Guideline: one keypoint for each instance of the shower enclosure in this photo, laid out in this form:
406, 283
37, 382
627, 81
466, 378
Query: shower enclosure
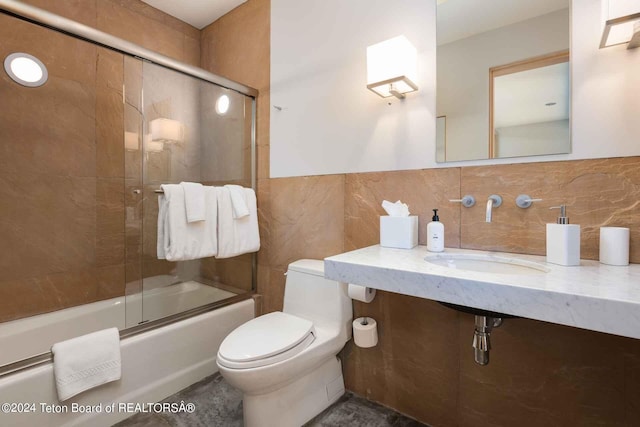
184, 134
82, 158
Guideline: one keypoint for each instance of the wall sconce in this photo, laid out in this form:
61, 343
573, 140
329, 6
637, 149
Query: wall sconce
621, 23
392, 67
151, 146
166, 130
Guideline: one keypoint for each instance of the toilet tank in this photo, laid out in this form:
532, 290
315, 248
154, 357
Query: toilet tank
309, 295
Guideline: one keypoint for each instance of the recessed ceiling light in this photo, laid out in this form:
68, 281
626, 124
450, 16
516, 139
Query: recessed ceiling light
222, 104
25, 69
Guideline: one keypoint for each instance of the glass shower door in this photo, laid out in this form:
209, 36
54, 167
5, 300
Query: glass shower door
193, 131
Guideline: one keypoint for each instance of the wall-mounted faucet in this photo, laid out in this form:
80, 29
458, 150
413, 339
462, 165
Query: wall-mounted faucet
493, 202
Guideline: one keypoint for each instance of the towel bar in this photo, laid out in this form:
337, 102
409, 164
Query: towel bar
137, 191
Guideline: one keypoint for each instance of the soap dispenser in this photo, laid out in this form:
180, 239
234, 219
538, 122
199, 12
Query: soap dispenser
563, 240
435, 234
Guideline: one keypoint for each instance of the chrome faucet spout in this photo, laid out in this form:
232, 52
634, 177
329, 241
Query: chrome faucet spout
493, 202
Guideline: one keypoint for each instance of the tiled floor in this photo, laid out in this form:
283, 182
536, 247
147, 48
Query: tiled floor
219, 404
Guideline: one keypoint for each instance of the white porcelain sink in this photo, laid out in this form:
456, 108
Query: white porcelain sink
486, 263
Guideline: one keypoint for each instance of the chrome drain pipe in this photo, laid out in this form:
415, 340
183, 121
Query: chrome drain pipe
482, 337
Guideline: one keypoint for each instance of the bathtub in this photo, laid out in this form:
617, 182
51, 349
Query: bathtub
23, 338
162, 301
155, 364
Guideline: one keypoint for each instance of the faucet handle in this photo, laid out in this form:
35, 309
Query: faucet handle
524, 201
467, 201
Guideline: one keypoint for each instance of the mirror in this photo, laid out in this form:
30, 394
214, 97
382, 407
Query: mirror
503, 79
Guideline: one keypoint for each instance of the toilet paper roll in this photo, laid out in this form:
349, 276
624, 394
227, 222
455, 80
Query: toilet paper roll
361, 293
614, 245
365, 332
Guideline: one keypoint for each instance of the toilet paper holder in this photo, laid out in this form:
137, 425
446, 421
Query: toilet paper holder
365, 332
361, 293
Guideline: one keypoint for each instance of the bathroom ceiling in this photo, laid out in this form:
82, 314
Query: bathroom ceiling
458, 19
198, 13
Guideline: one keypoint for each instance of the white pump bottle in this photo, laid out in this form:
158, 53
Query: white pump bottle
435, 234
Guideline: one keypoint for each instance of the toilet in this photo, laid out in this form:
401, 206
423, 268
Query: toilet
286, 363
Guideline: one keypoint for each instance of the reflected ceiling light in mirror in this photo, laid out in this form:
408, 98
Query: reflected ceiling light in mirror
222, 105
25, 69
621, 23
166, 130
392, 67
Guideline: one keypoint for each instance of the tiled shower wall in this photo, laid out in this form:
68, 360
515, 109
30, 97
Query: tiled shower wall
63, 209
540, 373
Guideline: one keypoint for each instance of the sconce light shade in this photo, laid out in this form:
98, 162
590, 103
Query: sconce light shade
131, 141
392, 67
621, 23
151, 146
166, 130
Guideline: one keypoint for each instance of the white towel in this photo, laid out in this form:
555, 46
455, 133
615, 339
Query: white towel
194, 202
85, 362
238, 203
241, 235
179, 240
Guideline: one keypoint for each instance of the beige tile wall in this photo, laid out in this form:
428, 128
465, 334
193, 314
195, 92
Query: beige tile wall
597, 193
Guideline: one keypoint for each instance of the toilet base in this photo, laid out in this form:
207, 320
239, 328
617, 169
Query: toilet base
296, 403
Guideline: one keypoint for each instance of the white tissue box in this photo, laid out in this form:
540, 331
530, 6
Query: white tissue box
399, 231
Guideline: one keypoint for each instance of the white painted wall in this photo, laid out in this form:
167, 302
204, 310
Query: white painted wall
330, 122
606, 84
533, 139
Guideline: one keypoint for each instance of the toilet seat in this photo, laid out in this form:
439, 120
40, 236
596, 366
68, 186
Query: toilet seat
266, 340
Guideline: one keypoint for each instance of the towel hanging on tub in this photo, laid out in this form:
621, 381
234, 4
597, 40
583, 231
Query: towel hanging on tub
237, 235
195, 204
85, 362
179, 240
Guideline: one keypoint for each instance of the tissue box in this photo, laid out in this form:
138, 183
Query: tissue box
399, 231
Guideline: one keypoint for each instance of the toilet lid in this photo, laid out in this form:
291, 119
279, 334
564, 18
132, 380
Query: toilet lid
265, 337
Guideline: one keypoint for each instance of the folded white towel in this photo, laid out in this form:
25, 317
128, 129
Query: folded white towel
85, 362
241, 235
238, 203
194, 202
179, 240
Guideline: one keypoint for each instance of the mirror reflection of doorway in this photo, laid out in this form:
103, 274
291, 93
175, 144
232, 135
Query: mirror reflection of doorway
529, 107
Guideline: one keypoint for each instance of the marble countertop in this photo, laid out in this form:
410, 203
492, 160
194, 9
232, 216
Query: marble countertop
591, 296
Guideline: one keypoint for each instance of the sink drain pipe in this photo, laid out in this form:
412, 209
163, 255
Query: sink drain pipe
482, 337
